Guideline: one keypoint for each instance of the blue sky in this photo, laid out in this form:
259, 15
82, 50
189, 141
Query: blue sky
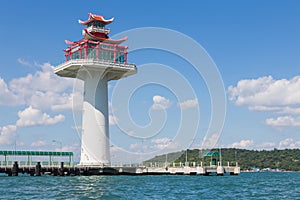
254, 44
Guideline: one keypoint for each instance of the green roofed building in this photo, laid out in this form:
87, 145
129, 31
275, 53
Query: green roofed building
211, 154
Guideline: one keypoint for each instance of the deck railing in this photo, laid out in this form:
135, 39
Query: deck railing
97, 51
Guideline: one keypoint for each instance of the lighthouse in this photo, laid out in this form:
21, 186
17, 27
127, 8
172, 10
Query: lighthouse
95, 59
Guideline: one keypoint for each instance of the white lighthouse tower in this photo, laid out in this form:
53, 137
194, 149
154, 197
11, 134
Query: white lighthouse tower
95, 59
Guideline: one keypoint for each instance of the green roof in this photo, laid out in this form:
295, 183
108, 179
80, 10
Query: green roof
36, 153
211, 153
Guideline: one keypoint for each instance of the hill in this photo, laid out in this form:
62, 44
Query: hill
286, 159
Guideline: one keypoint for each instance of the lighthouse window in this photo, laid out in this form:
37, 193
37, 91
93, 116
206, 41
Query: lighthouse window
82, 53
75, 55
120, 57
91, 53
98, 24
111, 56
100, 55
106, 55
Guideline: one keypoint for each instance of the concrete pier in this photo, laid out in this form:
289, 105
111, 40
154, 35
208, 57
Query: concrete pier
62, 170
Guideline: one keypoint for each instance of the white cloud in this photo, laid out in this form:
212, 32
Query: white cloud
188, 103
290, 110
283, 121
289, 143
267, 94
73, 148
7, 97
32, 117
161, 143
160, 103
56, 101
44, 81
43, 90
155, 144
113, 120
277, 109
243, 144
267, 145
26, 63
39, 143
266, 91
161, 140
7, 134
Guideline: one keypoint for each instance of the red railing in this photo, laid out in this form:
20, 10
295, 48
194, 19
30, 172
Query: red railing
97, 51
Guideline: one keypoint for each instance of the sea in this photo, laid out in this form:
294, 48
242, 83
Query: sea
256, 185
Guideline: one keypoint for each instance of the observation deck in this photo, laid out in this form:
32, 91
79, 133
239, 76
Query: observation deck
95, 56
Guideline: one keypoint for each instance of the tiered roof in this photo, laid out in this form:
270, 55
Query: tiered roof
98, 34
99, 18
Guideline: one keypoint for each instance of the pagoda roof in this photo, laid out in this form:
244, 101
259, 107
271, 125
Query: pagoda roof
99, 18
93, 36
107, 41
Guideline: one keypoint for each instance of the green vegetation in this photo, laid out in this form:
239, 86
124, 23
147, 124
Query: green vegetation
287, 159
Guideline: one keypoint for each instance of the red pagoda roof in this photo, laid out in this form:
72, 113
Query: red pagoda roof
103, 38
96, 35
93, 17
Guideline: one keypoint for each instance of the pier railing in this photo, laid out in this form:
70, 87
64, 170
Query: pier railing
34, 163
25, 158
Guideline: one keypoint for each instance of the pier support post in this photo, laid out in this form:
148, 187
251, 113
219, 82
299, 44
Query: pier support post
61, 169
220, 171
237, 170
15, 169
38, 169
201, 170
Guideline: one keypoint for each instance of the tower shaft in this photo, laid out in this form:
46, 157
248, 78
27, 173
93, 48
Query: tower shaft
95, 125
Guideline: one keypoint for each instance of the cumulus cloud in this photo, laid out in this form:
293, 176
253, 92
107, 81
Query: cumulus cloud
188, 103
44, 80
243, 144
164, 143
266, 91
277, 109
39, 92
160, 103
39, 143
267, 145
7, 134
43, 90
289, 143
32, 117
155, 144
56, 101
283, 121
267, 94
7, 97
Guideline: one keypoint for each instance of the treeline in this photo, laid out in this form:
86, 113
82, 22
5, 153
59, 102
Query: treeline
286, 159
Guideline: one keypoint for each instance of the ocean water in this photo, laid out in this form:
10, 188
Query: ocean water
269, 185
